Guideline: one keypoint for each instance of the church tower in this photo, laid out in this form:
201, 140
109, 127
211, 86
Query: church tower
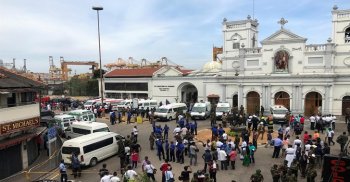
237, 34
341, 27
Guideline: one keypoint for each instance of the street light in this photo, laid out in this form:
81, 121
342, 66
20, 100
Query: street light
99, 8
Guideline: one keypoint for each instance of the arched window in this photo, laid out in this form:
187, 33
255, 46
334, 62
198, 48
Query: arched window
236, 41
347, 35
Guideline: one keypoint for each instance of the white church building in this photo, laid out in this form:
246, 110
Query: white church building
284, 70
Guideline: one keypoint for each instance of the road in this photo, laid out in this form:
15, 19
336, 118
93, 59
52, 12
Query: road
263, 160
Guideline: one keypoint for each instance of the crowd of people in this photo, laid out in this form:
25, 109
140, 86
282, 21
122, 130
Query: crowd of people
302, 155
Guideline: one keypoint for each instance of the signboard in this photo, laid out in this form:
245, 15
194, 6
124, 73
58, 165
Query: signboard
164, 88
336, 169
135, 103
19, 125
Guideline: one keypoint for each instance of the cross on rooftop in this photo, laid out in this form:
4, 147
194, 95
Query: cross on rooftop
282, 22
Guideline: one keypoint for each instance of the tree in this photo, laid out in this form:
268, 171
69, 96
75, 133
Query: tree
96, 73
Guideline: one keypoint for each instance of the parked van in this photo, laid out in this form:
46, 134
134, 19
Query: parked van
222, 107
278, 113
148, 103
83, 115
89, 103
201, 110
91, 148
127, 103
64, 121
78, 129
168, 112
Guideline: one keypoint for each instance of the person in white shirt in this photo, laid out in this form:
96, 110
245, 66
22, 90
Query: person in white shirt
244, 147
127, 153
115, 178
290, 155
307, 148
218, 145
297, 142
106, 178
222, 158
48, 107
312, 121
232, 143
149, 169
130, 174
183, 131
135, 131
169, 174
224, 136
177, 130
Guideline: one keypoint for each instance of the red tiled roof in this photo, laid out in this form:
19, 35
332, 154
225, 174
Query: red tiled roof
138, 72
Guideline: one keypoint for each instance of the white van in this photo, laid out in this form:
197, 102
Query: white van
91, 148
78, 129
278, 113
89, 103
64, 121
148, 104
222, 107
168, 112
127, 103
83, 115
201, 110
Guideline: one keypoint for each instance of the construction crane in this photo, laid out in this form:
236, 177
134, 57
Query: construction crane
120, 63
65, 70
131, 63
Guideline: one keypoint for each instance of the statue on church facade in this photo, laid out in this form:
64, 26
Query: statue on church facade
281, 60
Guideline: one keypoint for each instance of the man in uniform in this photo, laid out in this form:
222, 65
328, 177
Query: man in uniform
151, 140
294, 167
121, 153
342, 139
257, 177
283, 170
311, 173
291, 177
275, 173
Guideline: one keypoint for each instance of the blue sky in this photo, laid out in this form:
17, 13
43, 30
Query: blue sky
184, 31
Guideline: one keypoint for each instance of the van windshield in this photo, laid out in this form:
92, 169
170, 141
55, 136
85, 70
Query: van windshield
198, 109
88, 103
70, 150
162, 110
280, 111
101, 130
223, 109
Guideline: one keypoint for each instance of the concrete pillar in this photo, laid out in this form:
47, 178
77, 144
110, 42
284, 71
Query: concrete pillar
24, 155
223, 99
240, 95
204, 92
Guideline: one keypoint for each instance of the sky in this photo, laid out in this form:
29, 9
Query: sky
184, 31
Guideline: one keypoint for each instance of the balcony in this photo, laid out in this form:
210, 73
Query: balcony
22, 112
315, 48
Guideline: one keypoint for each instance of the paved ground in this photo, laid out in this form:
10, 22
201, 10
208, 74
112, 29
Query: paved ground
262, 157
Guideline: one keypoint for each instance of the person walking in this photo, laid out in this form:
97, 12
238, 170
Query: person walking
135, 131
160, 149
130, 175
193, 153
275, 173
330, 135
277, 143
342, 140
103, 170
115, 177
76, 168
222, 157
252, 150
185, 174
169, 175
134, 159
150, 170
207, 158
63, 171
164, 168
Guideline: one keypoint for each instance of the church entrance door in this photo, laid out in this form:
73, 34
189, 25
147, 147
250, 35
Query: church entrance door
282, 98
253, 103
345, 104
313, 103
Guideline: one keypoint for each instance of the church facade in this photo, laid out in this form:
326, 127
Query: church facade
285, 70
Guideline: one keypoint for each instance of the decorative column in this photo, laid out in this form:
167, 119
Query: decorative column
326, 104
224, 93
240, 95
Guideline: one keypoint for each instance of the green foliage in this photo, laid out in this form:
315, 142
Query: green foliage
96, 73
82, 87
143, 178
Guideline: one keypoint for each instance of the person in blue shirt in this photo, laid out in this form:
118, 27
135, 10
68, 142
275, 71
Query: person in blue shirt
112, 118
214, 132
63, 171
221, 130
182, 122
166, 131
160, 149
129, 117
277, 143
167, 149
180, 152
192, 128
172, 151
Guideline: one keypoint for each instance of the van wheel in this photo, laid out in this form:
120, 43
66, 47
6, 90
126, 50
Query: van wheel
93, 162
69, 138
170, 118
